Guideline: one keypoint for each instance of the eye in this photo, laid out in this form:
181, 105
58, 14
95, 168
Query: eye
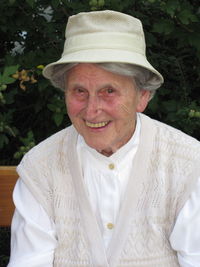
79, 93
110, 90
108, 93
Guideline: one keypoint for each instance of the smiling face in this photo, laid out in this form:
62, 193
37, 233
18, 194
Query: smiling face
102, 106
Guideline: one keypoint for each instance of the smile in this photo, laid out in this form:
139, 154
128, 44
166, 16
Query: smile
96, 125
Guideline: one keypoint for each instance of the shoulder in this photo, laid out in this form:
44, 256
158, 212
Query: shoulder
174, 160
178, 141
171, 148
48, 150
165, 133
52, 143
46, 163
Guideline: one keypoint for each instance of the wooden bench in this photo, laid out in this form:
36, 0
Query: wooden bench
8, 178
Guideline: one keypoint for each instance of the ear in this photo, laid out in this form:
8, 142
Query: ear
143, 99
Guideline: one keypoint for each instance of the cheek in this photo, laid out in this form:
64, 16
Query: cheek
74, 107
125, 108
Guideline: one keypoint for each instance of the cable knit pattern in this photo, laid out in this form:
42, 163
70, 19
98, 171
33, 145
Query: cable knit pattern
167, 168
46, 173
174, 165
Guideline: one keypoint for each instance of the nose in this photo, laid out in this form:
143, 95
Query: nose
93, 107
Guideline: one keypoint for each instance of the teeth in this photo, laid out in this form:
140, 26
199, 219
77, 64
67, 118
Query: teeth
96, 125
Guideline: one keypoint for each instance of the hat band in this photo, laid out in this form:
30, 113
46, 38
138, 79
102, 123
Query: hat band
108, 40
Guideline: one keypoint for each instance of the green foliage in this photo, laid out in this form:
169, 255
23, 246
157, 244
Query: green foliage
5, 78
31, 109
28, 142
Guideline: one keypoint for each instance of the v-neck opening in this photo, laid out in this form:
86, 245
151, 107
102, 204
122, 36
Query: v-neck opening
101, 256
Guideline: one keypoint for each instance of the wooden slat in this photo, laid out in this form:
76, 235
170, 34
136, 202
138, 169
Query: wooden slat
8, 178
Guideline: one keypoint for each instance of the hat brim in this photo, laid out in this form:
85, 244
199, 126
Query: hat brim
103, 56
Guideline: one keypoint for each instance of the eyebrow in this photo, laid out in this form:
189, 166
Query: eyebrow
76, 84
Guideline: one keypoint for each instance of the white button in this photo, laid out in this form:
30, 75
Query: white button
110, 226
111, 166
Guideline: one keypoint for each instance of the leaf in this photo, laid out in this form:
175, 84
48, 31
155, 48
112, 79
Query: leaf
3, 140
29, 138
185, 16
58, 118
164, 26
11, 69
5, 78
194, 18
194, 40
30, 2
51, 107
55, 3
11, 2
171, 7
43, 84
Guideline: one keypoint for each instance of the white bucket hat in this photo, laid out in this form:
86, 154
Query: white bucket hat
104, 36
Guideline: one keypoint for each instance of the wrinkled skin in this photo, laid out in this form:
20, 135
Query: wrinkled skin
102, 106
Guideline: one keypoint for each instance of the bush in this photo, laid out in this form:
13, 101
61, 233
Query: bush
31, 109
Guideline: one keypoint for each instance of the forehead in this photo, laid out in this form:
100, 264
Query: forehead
92, 73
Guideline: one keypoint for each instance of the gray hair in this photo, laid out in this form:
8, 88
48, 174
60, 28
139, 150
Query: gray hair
142, 77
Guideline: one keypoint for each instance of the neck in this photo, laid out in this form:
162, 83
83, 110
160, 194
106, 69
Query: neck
106, 153
112, 149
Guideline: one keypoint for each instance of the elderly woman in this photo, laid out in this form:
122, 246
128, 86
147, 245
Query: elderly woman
116, 188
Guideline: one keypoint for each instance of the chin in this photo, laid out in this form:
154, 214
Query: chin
95, 146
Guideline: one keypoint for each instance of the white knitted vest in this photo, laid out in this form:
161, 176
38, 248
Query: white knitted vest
165, 170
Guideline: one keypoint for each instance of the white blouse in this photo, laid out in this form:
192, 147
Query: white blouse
33, 233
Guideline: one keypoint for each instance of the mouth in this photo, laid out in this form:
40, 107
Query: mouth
96, 125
